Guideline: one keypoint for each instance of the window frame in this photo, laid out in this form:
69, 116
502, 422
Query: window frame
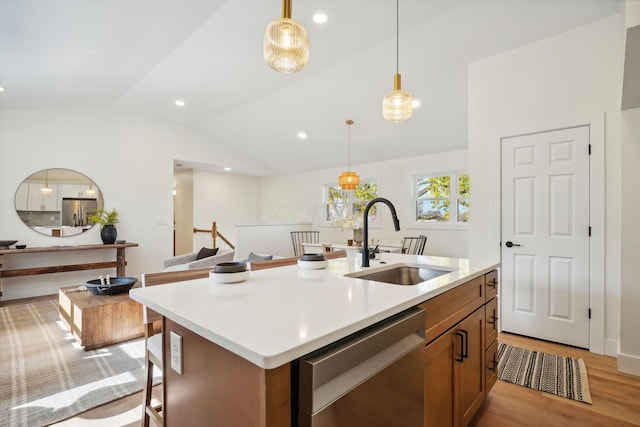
351, 201
454, 196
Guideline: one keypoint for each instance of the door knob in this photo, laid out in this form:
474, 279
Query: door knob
510, 244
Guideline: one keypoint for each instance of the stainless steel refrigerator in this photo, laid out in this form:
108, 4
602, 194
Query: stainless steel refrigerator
76, 210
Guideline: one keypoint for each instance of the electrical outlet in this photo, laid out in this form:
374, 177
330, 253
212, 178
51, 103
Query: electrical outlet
176, 352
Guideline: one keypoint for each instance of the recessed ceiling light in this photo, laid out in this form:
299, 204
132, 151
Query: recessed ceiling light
302, 135
227, 168
415, 103
179, 103
320, 18
2, 89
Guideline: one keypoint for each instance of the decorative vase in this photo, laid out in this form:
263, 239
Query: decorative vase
357, 236
108, 233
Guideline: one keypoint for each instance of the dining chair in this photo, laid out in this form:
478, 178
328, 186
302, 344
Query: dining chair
300, 237
153, 339
414, 245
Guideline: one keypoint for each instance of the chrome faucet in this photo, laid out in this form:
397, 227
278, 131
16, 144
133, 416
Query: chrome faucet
365, 226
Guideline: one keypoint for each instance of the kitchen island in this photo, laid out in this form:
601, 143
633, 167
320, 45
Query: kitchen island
238, 340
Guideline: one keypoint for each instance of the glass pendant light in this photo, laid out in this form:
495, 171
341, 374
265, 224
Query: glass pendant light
46, 190
397, 104
349, 180
90, 191
286, 43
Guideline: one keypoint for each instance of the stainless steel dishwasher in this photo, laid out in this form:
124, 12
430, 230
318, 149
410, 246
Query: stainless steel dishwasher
372, 378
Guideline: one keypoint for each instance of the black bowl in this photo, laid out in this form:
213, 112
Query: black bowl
312, 257
4, 244
21, 246
230, 267
118, 285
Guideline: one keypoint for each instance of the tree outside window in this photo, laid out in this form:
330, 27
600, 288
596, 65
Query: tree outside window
435, 196
342, 203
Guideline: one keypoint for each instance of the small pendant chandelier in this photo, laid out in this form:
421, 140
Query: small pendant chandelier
396, 105
46, 190
286, 43
348, 180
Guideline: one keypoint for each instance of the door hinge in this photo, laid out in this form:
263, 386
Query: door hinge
589, 149
589, 313
589, 231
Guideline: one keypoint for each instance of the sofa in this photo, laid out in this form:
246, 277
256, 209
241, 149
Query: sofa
189, 261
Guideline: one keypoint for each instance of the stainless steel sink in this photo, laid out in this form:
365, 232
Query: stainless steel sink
404, 274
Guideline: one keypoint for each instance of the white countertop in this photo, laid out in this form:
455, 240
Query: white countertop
281, 314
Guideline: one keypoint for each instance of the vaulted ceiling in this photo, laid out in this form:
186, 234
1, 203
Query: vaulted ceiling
141, 56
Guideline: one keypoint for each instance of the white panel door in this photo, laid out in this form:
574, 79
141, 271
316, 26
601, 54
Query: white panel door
545, 235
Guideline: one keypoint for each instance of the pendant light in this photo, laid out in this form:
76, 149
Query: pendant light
46, 190
90, 191
348, 180
286, 43
396, 105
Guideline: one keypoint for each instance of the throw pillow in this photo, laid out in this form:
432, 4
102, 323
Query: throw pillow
206, 253
254, 257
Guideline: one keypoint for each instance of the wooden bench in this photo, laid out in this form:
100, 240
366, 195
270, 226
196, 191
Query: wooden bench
100, 320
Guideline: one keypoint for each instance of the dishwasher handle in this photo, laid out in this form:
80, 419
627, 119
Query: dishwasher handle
329, 373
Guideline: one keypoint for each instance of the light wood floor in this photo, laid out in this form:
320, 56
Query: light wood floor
615, 396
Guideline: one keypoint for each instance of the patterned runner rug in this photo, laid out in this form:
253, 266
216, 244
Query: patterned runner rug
45, 376
563, 376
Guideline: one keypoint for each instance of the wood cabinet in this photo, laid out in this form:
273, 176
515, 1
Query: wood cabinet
460, 353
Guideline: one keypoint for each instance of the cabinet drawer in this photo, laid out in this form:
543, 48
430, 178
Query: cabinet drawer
491, 369
446, 310
491, 285
491, 322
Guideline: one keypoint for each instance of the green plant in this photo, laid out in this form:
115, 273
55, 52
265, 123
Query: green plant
104, 217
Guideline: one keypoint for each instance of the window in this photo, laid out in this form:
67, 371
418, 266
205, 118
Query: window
442, 198
340, 203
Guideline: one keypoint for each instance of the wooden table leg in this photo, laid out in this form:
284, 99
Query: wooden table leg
120, 259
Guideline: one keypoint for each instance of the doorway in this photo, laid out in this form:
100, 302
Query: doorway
545, 235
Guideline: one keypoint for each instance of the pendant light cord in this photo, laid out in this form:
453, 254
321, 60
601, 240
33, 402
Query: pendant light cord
397, 34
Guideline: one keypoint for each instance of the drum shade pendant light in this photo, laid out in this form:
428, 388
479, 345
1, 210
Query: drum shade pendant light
396, 105
46, 190
286, 43
349, 180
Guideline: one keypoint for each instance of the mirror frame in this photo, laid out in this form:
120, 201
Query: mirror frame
63, 208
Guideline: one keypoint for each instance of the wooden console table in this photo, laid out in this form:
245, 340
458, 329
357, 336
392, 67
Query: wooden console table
119, 264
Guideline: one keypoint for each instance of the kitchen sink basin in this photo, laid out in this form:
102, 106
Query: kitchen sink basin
404, 274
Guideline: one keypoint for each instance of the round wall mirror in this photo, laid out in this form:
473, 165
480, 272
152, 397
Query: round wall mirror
57, 202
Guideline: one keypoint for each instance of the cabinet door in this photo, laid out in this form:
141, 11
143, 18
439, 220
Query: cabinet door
491, 322
491, 371
22, 196
439, 382
472, 369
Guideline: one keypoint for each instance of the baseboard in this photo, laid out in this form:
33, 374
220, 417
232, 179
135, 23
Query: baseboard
611, 348
629, 364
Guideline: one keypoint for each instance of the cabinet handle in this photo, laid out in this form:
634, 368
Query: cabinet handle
493, 320
461, 347
492, 367
492, 283
465, 354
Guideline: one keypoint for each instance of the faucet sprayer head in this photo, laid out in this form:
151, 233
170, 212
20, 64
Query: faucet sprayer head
396, 222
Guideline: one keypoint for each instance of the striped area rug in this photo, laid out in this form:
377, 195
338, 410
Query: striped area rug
45, 376
562, 376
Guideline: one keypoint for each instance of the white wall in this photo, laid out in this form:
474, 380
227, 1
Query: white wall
225, 198
129, 157
572, 75
299, 197
629, 355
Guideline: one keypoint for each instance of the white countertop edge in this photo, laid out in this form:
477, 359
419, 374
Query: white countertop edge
271, 361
